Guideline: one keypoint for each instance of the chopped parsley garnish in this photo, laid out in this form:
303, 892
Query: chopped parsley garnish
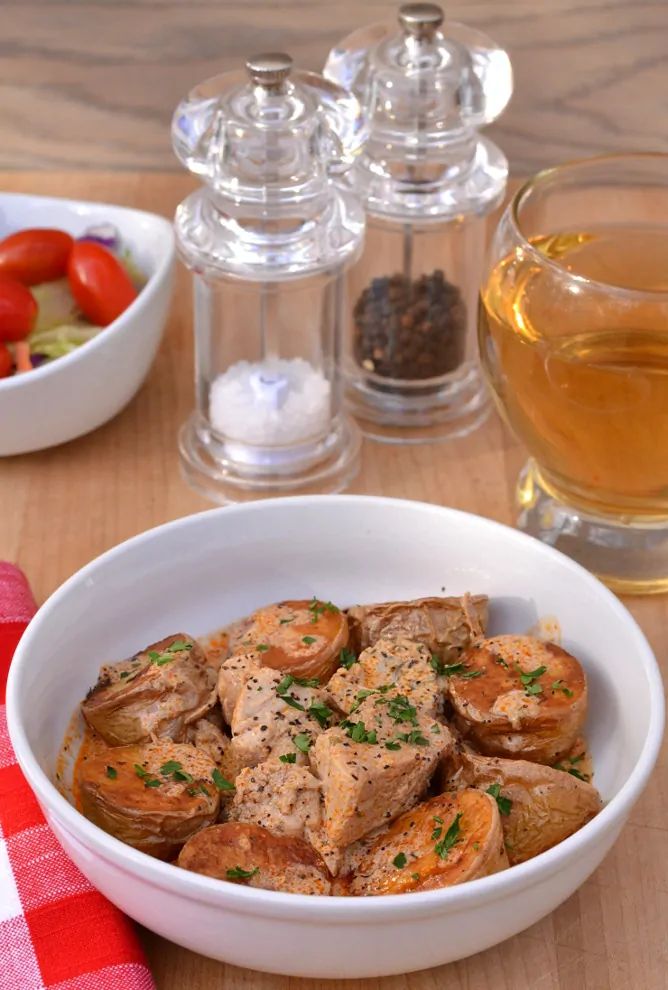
282, 691
415, 876
221, 783
436, 834
415, 738
435, 729
123, 674
359, 698
308, 640
182, 776
347, 658
284, 622
399, 708
139, 770
450, 839
112, 773
167, 655
500, 660
169, 767
471, 674
178, 645
197, 789
262, 647
438, 819
392, 745
288, 758
302, 742
574, 772
534, 689
237, 873
445, 669
316, 608
529, 676
504, 803
152, 783
357, 731
146, 777
560, 686
400, 860
321, 713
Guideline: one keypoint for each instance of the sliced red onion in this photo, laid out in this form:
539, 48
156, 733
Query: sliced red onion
103, 233
37, 359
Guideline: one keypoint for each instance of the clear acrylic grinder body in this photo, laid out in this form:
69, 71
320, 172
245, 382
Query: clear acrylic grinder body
428, 180
268, 239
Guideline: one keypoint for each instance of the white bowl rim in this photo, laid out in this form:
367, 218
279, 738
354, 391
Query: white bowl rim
143, 297
339, 910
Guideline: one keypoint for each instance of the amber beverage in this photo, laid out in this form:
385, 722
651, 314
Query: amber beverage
573, 329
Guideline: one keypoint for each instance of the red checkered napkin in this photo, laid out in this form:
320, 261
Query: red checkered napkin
56, 931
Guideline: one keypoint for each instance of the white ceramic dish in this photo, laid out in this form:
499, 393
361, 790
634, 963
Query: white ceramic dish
199, 572
77, 393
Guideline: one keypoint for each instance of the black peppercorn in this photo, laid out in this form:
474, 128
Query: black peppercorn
410, 329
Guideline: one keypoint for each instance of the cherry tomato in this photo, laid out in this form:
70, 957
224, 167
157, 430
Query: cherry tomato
18, 310
100, 285
6, 362
34, 256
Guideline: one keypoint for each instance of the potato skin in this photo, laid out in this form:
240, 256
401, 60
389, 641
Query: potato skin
302, 638
138, 698
155, 819
546, 805
502, 716
276, 862
478, 852
445, 625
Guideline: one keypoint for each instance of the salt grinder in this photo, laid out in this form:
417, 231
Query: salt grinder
268, 239
427, 179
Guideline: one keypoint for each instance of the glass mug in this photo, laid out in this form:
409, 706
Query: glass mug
573, 334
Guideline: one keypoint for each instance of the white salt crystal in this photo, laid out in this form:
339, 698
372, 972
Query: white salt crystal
271, 402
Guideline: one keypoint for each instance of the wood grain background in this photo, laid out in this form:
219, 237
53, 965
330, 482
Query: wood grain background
92, 83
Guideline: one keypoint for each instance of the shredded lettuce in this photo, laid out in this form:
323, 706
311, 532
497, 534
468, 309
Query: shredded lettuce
61, 340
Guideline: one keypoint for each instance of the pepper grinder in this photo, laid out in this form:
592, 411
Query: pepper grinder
427, 179
268, 239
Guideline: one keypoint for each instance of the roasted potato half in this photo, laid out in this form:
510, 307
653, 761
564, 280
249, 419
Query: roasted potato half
446, 626
519, 697
250, 854
152, 796
302, 638
445, 841
158, 692
539, 806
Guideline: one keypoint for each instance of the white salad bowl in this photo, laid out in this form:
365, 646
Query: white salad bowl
75, 394
198, 573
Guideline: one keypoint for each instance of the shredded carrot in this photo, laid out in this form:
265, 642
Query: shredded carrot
22, 356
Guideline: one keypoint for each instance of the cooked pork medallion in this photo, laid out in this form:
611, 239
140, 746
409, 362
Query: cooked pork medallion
446, 626
375, 764
252, 855
520, 697
153, 796
443, 842
277, 715
281, 797
409, 667
158, 692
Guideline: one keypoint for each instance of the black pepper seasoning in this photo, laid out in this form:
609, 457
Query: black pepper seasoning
410, 329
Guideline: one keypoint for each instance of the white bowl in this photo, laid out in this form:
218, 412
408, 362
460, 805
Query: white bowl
200, 572
77, 393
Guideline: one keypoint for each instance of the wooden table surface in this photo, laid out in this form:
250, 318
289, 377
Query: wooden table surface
64, 506
93, 83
